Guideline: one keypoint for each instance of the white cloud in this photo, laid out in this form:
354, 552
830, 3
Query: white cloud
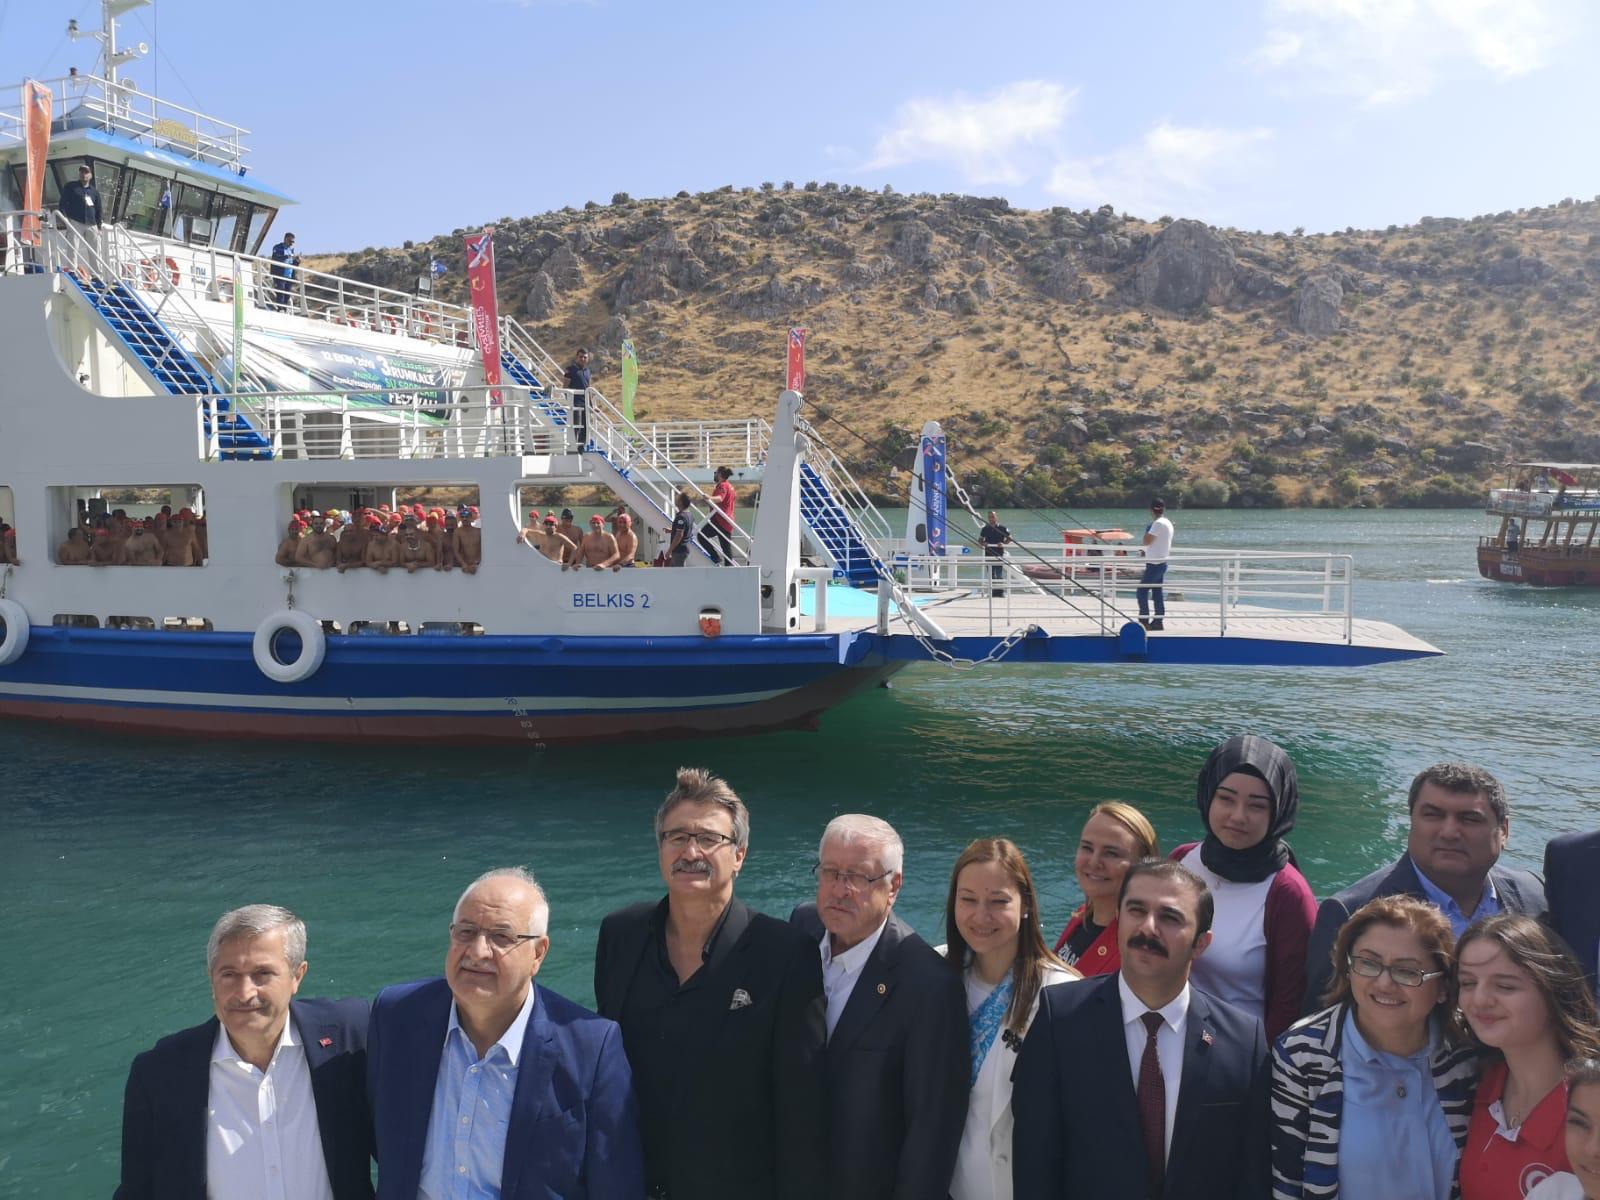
1385, 51
1171, 169
985, 139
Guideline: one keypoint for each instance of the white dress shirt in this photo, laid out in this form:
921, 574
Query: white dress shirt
840, 971
262, 1138
1169, 1043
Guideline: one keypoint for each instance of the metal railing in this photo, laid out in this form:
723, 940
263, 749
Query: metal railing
871, 526
1206, 590
93, 257
92, 102
454, 423
702, 445
612, 434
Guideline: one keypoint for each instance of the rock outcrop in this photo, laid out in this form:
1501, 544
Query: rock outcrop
1189, 264
1316, 305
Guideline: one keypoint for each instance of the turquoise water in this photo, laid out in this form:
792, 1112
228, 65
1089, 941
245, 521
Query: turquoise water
117, 854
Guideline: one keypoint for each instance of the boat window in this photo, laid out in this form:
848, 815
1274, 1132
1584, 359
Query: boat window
141, 202
451, 629
187, 624
169, 520
232, 218
141, 623
260, 223
75, 621
190, 206
107, 179
380, 628
52, 193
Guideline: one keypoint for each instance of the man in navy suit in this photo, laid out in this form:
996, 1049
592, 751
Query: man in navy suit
486, 1079
1572, 881
898, 1062
265, 1099
1460, 820
1135, 1086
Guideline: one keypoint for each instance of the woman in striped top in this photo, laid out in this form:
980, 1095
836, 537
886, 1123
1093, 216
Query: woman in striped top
1372, 1096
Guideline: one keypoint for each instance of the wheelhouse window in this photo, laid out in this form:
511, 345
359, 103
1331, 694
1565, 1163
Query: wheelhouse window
191, 205
260, 223
231, 217
141, 202
52, 192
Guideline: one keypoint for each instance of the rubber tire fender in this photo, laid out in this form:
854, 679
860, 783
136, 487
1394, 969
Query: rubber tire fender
313, 646
15, 644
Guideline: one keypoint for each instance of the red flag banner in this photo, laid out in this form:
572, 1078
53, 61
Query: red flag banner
797, 360
485, 311
36, 102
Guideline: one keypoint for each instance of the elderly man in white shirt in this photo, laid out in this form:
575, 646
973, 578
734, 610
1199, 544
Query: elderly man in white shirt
898, 1063
265, 1101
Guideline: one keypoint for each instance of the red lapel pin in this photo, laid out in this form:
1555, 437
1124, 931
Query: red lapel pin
326, 1042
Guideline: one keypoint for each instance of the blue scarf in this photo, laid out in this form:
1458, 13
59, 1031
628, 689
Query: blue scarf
983, 1026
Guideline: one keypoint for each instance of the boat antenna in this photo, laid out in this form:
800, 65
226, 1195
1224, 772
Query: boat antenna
112, 56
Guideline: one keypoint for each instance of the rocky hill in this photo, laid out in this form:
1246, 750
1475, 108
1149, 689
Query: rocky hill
1081, 357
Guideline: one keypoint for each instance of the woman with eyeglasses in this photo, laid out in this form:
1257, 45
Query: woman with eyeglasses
1371, 1097
1248, 796
1115, 836
992, 937
1582, 1137
1527, 1004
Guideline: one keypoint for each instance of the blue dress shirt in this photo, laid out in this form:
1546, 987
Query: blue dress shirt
1487, 907
466, 1146
1391, 1112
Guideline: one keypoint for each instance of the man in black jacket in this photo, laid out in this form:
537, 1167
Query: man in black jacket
1460, 820
1137, 1086
266, 1098
80, 201
722, 1017
1572, 879
899, 1064
577, 382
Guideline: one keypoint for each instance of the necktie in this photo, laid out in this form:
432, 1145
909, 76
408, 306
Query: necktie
1153, 1105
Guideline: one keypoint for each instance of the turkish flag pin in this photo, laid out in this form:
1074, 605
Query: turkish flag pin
326, 1042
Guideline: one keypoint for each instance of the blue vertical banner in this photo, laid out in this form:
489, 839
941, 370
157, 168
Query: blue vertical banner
933, 497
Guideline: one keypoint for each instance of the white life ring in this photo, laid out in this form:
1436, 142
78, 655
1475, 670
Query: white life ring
15, 642
313, 646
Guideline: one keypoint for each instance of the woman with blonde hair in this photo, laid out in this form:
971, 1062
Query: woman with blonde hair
992, 936
1528, 1005
1115, 836
1371, 1096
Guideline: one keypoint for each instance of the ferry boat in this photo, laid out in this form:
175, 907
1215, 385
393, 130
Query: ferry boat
161, 361
1547, 514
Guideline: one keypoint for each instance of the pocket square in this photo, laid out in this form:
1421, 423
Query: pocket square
741, 999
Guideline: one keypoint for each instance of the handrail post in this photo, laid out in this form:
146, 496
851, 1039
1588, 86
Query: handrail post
1222, 598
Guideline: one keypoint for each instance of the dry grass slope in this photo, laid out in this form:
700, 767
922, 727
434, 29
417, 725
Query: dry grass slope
1082, 357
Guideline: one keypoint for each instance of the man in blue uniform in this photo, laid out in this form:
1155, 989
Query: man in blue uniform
284, 260
577, 382
80, 201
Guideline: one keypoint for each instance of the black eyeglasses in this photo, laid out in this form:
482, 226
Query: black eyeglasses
501, 941
853, 880
1371, 968
708, 840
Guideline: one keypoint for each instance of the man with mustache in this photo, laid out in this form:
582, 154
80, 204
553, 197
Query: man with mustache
266, 1099
1136, 1085
722, 1015
899, 1066
1460, 820
485, 1083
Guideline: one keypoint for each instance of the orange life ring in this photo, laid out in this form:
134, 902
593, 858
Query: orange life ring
152, 271
393, 323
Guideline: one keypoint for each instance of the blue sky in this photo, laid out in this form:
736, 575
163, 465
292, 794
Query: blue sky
415, 117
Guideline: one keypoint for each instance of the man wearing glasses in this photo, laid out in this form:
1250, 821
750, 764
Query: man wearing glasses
722, 1016
484, 1083
899, 1066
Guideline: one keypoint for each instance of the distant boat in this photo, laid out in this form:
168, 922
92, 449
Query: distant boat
1548, 515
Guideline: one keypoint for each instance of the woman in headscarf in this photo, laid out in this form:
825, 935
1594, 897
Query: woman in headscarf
1248, 796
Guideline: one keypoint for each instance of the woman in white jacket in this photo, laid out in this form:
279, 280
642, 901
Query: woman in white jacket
993, 938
